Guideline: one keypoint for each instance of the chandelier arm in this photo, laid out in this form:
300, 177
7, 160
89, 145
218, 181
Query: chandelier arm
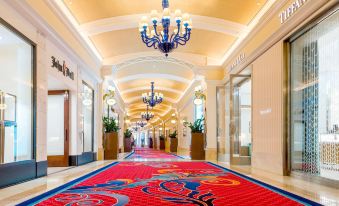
156, 30
174, 35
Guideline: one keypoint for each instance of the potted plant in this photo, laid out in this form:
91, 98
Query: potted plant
197, 139
173, 141
111, 143
162, 142
127, 140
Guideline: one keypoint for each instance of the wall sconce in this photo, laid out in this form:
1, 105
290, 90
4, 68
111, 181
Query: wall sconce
199, 96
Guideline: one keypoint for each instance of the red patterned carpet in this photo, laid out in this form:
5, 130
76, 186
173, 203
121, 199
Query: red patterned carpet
166, 183
147, 153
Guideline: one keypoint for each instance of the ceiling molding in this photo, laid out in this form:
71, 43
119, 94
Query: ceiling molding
182, 58
253, 25
136, 58
61, 10
147, 88
132, 22
133, 99
153, 76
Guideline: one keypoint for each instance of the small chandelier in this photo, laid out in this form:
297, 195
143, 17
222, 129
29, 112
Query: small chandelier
164, 40
152, 98
141, 124
147, 115
136, 127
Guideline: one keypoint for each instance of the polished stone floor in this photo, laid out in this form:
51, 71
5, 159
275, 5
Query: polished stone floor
18, 193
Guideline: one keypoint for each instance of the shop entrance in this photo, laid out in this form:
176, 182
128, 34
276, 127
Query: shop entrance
240, 119
58, 128
58, 121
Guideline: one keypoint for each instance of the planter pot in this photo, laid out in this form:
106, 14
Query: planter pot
127, 145
174, 144
197, 146
111, 146
167, 145
162, 144
150, 142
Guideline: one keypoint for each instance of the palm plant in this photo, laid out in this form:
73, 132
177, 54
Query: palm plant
110, 124
162, 137
173, 135
127, 133
197, 126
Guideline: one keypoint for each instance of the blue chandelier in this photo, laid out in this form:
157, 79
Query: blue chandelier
152, 98
147, 115
141, 124
136, 127
164, 40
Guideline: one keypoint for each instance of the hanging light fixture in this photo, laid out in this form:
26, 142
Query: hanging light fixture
165, 40
147, 115
141, 123
136, 127
152, 98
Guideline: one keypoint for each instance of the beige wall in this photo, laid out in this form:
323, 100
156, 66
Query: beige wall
267, 97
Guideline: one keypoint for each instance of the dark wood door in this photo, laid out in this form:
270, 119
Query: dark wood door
62, 160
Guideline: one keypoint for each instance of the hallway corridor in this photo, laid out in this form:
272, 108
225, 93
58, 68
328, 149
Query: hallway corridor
169, 102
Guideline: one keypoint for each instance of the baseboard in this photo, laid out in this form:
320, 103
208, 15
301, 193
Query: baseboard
16, 172
41, 168
84, 158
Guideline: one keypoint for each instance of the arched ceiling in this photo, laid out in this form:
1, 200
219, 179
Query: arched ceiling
111, 27
170, 78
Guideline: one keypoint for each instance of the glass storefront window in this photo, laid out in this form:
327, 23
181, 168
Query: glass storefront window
315, 100
87, 117
16, 97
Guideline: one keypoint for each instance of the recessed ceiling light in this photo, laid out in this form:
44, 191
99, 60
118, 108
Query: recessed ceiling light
0, 37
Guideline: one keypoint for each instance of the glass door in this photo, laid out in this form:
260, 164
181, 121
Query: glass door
87, 118
58, 128
240, 119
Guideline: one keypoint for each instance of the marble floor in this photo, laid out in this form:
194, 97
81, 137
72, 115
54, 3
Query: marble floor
18, 193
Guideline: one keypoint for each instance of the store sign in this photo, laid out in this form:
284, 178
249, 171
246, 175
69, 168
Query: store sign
239, 59
287, 13
62, 68
265, 111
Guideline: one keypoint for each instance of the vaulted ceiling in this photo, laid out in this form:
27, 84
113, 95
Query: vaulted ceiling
111, 26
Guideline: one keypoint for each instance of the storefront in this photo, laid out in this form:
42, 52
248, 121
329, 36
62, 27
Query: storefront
17, 106
314, 107
288, 66
46, 94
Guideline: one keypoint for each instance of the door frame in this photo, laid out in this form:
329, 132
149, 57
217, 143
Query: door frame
62, 160
235, 161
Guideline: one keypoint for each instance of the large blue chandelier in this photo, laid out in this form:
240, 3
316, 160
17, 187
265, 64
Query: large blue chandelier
164, 40
152, 98
147, 115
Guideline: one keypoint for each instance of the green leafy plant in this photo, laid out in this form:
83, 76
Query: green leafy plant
110, 124
173, 135
162, 137
127, 133
197, 126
